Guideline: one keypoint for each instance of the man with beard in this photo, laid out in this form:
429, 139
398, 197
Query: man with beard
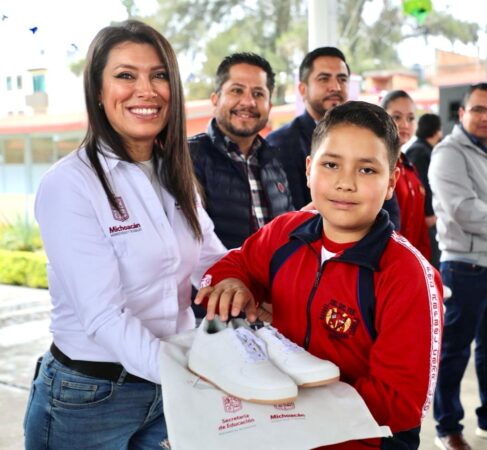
243, 182
323, 84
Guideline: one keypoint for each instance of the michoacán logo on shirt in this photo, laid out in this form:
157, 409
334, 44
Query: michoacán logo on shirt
121, 229
120, 213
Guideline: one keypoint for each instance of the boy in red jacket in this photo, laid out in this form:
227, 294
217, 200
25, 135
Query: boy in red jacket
314, 268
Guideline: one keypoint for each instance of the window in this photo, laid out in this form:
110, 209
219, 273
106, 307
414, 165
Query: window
67, 145
39, 83
9, 83
19, 81
13, 151
42, 151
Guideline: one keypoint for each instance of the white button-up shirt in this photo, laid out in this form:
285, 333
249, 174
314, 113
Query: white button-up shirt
118, 282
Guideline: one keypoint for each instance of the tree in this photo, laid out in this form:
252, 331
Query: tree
372, 46
205, 32
276, 29
130, 7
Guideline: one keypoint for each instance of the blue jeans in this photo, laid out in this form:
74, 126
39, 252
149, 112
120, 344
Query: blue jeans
69, 410
465, 320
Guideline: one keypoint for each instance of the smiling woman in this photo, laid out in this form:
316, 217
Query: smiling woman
126, 236
135, 95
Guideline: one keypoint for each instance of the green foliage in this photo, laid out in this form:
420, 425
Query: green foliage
373, 46
130, 7
77, 67
442, 24
23, 268
20, 235
216, 28
22, 260
369, 47
277, 30
198, 89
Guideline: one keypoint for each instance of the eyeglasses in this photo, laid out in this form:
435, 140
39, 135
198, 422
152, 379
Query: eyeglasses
477, 110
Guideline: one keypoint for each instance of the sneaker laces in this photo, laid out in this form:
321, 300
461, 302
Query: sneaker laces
254, 350
289, 345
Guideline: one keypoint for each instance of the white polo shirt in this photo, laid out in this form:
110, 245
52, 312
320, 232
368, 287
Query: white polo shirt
118, 282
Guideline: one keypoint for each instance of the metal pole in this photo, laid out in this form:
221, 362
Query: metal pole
322, 20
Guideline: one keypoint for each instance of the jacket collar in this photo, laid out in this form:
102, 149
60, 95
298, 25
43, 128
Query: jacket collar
473, 139
366, 252
308, 124
422, 142
404, 159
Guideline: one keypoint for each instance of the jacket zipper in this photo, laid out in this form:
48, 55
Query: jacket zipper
321, 267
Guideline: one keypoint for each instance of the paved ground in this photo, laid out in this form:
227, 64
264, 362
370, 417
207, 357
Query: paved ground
24, 336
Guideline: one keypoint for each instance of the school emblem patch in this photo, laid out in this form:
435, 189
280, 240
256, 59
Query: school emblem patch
121, 214
339, 319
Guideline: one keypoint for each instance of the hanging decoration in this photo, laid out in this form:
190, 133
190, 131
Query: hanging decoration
419, 9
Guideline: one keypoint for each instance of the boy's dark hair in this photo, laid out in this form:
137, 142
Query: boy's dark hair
306, 65
393, 95
471, 88
363, 115
223, 70
428, 126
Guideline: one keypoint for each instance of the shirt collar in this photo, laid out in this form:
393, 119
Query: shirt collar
366, 252
473, 139
108, 159
231, 146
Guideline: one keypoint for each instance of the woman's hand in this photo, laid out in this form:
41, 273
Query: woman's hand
229, 295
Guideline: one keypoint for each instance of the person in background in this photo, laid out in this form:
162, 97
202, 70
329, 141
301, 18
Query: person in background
428, 134
458, 178
311, 266
323, 83
125, 235
410, 191
243, 182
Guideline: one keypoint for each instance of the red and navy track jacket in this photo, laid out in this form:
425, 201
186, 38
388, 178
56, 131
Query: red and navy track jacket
317, 306
411, 196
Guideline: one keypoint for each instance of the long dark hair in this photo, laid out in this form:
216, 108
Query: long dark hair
170, 153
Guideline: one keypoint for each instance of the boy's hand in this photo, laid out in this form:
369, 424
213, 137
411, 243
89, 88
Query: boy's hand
229, 295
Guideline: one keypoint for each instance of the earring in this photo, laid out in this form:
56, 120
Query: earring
100, 105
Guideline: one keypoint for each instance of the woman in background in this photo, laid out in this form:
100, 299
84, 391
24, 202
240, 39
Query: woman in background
409, 190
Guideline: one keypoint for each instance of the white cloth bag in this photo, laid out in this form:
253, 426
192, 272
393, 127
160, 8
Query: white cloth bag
200, 416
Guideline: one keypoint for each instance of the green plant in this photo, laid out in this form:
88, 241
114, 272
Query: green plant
21, 235
23, 268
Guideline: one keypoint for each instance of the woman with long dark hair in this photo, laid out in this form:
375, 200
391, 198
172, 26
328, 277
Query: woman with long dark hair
125, 236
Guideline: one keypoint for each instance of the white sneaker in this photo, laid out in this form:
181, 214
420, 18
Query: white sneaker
235, 361
304, 368
480, 432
